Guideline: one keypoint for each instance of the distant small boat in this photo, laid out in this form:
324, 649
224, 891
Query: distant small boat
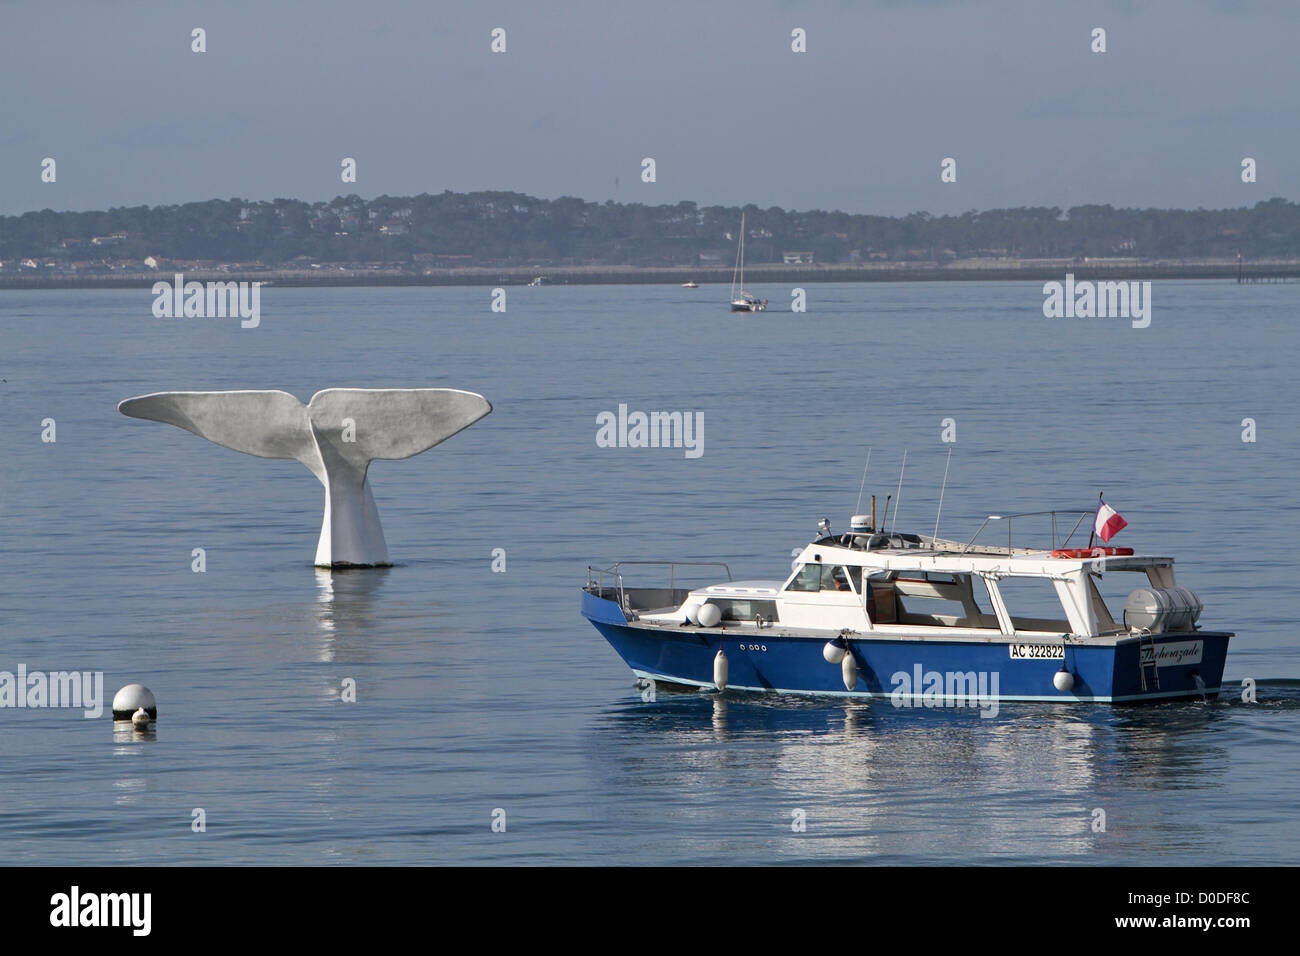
690, 285
540, 280
745, 301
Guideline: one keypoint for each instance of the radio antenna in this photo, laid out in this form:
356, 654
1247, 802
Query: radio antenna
942, 488
898, 497
863, 487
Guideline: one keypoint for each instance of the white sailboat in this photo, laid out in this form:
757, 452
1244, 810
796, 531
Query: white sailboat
745, 301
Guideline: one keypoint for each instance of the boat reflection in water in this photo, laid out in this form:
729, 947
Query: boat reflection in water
880, 784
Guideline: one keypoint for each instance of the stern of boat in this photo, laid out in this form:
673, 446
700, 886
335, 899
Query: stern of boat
1169, 666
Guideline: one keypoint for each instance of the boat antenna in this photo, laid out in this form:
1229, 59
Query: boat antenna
942, 488
863, 487
1093, 533
899, 496
885, 517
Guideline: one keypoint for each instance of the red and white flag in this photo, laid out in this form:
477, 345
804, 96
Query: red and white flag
1108, 523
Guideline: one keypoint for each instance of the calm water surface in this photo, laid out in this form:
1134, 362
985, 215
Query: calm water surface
479, 690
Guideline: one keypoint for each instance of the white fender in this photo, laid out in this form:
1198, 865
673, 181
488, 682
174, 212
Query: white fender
720, 670
850, 671
708, 615
834, 650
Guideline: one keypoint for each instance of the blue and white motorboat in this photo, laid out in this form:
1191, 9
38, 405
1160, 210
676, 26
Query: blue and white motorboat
922, 620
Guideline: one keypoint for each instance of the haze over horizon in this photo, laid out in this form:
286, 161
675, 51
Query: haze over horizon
858, 123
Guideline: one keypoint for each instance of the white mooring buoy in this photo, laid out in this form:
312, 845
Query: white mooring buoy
132, 698
1063, 680
720, 670
835, 650
850, 672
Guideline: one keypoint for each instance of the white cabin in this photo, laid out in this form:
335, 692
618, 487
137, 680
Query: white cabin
917, 586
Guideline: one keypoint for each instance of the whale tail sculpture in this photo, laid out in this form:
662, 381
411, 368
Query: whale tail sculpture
336, 435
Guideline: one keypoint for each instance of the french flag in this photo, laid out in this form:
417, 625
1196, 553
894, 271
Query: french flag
1108, 523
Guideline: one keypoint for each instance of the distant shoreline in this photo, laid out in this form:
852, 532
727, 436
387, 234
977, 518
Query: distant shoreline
758, 275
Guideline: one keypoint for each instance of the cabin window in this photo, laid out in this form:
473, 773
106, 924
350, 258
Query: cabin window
809, 578
935, 599
861, 580
821, 577
1033, 604
736, 609
835, 578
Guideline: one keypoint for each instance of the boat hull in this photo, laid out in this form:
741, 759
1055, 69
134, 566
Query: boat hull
923, 671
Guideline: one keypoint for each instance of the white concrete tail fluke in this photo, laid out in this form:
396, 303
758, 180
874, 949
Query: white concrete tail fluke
336, 436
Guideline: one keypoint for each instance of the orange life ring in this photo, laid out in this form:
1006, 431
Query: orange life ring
1091, 552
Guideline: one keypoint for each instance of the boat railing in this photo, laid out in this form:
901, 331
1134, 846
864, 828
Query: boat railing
1030, 514
596, 577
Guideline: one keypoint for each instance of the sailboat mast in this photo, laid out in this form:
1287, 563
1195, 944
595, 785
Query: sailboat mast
742, 250
739, 253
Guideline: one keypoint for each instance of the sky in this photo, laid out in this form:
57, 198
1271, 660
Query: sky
711, 91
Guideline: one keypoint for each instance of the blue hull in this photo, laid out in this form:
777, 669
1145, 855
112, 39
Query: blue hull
913, 672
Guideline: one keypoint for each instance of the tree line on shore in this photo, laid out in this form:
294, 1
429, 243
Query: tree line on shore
506, 228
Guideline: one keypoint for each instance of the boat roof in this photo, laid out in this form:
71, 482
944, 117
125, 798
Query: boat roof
902, 551
936, 554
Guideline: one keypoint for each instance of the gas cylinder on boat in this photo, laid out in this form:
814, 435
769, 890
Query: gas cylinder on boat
1162, 610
